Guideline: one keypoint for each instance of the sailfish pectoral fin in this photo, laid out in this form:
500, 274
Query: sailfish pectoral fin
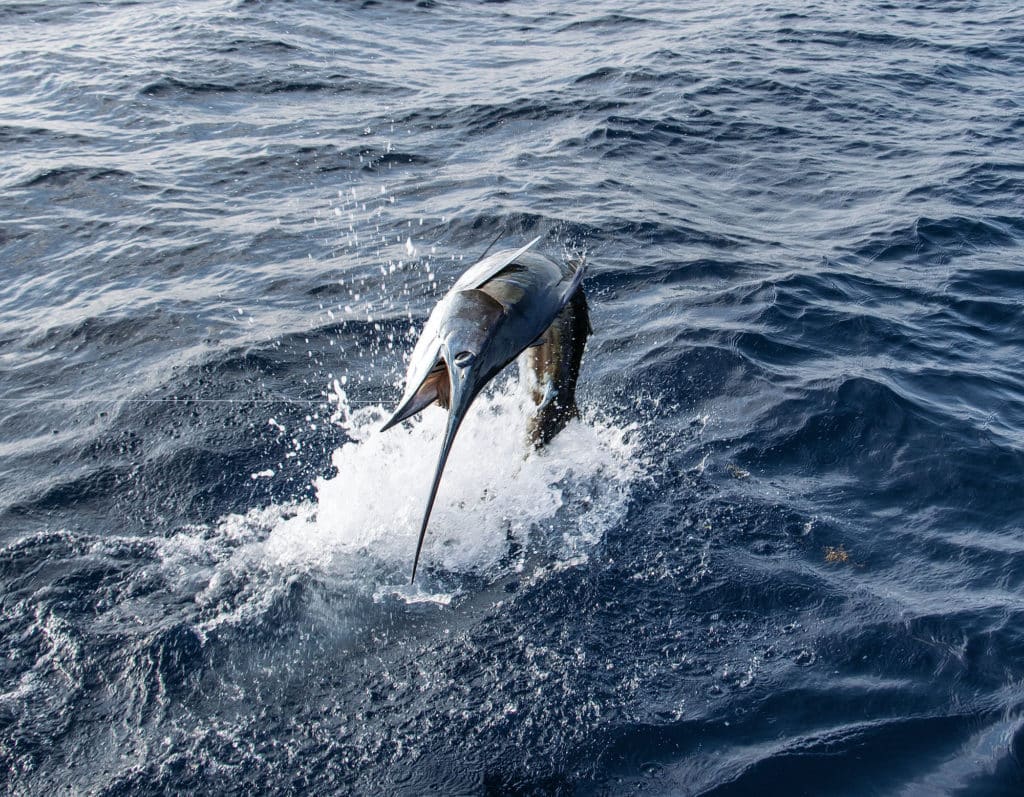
434, 388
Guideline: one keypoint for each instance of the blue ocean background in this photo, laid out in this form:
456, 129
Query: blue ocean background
781, 553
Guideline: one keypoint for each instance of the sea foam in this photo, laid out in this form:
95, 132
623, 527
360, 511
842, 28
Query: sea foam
500, 504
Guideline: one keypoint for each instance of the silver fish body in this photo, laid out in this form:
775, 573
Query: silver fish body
550, 370
509, 302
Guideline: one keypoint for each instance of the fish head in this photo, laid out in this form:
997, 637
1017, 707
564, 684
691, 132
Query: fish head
452, 367
455, 355
471, 325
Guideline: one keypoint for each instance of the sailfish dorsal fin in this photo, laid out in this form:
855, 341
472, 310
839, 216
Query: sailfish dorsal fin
489, 266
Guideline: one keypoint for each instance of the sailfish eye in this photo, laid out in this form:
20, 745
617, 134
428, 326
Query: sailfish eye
464, 358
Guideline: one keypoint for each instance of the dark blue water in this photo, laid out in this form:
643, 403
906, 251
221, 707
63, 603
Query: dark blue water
783, 551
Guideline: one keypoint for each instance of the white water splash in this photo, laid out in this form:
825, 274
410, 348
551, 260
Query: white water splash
497, 495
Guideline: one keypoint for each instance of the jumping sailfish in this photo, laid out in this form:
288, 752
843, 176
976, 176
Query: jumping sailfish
514, 303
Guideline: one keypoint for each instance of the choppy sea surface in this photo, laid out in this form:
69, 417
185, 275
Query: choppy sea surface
782, 552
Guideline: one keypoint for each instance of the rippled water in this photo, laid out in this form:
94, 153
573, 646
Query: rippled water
782, 550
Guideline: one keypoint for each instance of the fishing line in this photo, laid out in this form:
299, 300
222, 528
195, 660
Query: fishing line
184, 400
492, 243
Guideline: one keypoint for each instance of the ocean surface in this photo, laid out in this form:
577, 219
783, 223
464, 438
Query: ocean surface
782, 551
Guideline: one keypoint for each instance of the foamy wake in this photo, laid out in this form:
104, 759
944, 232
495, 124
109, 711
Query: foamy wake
500, 504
